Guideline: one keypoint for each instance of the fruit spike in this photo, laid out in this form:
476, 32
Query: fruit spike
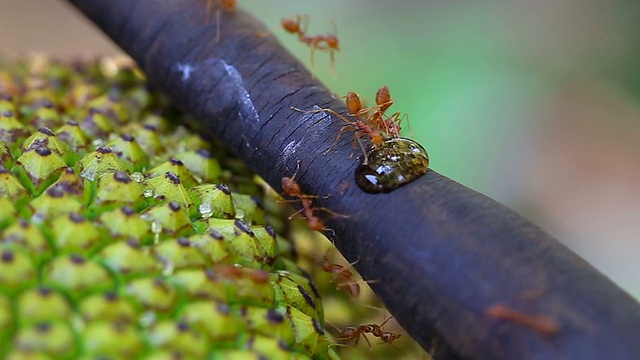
118, 239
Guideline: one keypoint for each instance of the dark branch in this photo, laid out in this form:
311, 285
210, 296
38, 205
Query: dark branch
443, 254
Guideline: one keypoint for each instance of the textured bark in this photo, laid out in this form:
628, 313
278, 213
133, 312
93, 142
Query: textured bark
442, 253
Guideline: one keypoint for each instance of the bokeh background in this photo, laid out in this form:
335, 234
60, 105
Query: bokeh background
534, 103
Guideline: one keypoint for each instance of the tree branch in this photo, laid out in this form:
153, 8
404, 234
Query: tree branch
443, 254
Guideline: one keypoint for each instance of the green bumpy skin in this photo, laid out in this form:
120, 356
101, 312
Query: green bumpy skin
134, 244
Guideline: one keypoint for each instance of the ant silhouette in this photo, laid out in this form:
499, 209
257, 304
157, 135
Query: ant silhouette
327, 43
290, 187
351, 333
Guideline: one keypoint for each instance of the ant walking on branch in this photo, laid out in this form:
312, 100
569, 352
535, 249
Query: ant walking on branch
343, 277
299, 24
371, 122
351, 333
290, 187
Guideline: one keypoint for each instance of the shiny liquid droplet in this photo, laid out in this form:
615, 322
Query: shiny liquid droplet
396, 163
137, 177
205, 210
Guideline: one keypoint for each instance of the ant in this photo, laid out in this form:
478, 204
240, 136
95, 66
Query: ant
351, 333
299, 26
392, 122
370, 121
540, 323
375, 116
290, 187
343, 276
228, 5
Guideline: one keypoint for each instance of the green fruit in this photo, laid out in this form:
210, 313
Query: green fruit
119, 238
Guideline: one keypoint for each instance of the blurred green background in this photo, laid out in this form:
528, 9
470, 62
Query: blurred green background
534, 103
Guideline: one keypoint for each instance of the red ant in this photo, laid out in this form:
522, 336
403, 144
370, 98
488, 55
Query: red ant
392, 122
343, 276
369, 121
299, 26
291, 187
351, 333
540, 323
375, 116
228, 5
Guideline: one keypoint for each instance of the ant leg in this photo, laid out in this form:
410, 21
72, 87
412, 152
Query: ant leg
331, 111
365, 160
335, 142
368, 342
299, 199
332, 61
333, 325
217, 26
331, 212
296, 213
207, 19
312, 47
304, 25
331, 231
372, 307
408, 124
296, 172
384, 322
289, 201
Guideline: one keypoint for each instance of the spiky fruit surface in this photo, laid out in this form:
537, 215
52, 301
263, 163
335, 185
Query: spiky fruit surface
124, 236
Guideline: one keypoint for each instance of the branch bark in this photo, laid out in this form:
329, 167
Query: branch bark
443, 253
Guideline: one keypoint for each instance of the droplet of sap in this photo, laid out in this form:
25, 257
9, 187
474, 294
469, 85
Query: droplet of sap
156, 227
397, 162
205, 210
137, 176
148, 192
168, 268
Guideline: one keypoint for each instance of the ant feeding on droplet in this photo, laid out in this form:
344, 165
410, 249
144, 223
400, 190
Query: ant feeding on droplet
299, 24
228, 6
540, 323
371, 122
392, 123
290, 187
351, 333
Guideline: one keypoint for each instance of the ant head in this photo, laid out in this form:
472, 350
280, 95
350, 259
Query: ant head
393, 129
332, 42
290, 187
229, 5
390, 337
290, 25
